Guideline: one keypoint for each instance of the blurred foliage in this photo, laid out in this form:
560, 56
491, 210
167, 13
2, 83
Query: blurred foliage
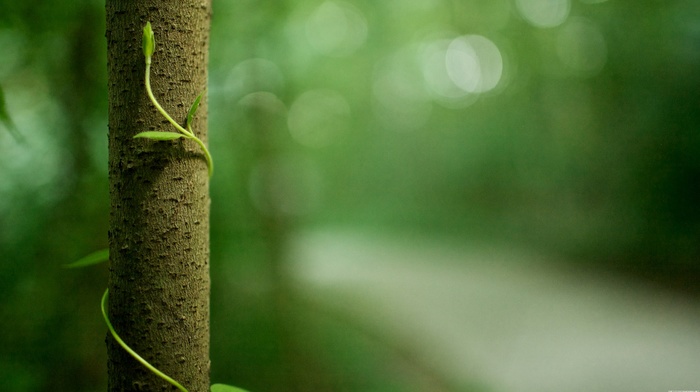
569, 126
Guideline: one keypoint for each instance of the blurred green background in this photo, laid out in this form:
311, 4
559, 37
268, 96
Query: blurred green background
565, 128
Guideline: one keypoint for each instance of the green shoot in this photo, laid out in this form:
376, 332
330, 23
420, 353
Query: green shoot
149, 44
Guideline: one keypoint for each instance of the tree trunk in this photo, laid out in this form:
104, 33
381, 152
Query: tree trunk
159, 220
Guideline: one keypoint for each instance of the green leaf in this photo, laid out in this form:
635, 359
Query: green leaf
156, 135
225, 388
149, 41
5, 118
193, 109
91, 259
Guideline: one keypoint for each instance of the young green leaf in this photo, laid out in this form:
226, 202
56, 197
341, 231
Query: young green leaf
148, 41
155, 135
91, 259
225, 388
193, 109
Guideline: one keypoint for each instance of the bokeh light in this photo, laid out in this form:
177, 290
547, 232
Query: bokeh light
252, 75
581, 47
400, 96
317, 117
544, 13
474, 63
336, 28
35, 168
264, 101
456, 70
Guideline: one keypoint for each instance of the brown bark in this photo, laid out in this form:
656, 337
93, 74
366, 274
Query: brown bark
159, 219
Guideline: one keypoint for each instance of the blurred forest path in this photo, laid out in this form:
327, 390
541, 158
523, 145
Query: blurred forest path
508, 318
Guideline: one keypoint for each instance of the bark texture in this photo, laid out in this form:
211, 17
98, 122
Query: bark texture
159, 219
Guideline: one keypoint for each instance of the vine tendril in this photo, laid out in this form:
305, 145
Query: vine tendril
132, 352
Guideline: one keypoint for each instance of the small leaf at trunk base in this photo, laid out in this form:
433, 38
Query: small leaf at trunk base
155, 135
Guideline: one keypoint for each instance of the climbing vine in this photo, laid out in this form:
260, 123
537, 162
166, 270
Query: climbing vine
100, 256
149, 45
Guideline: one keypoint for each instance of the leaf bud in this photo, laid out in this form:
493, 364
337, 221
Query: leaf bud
149, 41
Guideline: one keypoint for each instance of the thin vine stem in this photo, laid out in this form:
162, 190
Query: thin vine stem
132, 352
157, 105
207, 155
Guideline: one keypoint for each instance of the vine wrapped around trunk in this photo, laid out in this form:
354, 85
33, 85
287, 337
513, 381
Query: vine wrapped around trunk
159, 220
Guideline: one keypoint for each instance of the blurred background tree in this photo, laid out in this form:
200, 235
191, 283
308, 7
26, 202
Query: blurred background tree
565, 126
